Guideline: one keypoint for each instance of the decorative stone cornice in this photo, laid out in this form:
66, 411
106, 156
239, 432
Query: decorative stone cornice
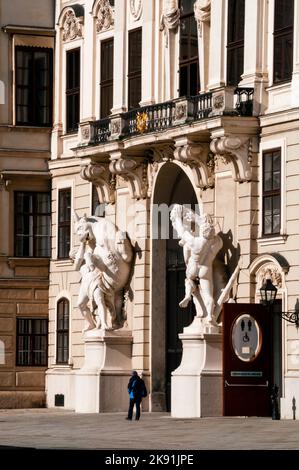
134, 173
170, 18
197, 157
104, 15
237, 150
202, 13
100, 176
136, 9
71, 22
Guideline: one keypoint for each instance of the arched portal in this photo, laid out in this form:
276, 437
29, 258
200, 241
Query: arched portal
172, 186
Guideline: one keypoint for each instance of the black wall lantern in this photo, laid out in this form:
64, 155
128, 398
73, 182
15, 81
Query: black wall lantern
268, 295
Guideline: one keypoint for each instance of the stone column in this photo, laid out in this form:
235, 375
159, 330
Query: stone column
148, 47
88, 69
295, 80
120, 58
255, 62
202, 13
217, 45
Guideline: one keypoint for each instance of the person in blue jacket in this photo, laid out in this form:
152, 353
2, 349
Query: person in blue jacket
137, 390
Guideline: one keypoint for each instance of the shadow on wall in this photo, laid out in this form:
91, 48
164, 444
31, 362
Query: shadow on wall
229, 254
294, 407
2, 352
2, 93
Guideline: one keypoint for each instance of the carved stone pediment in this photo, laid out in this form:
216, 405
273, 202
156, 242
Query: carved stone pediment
71, 23
237, 150
134, 173
197, 157
104, 14
270, 271
100, 176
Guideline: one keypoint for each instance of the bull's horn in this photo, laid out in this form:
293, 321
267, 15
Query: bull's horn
75, 216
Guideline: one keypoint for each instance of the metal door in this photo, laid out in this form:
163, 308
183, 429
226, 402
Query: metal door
177, 318
247, 360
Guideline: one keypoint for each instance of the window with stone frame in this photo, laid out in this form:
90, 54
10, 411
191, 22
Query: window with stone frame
32, 342
72, 90
62, 332
32, 224
64, 222
33, 86
272, 192
134, 68
283, 41
235, 41
106, 84
189, 82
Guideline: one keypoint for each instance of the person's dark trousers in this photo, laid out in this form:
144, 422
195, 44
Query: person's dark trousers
134, 401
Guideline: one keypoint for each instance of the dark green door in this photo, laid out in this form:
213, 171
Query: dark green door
177, 318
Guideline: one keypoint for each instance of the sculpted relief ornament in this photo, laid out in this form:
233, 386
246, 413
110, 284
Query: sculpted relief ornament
104, 259
202, 13
269, 272
170, 18
136, 8
72, 27
104, 15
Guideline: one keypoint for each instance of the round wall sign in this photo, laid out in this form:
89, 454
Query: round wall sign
246, 338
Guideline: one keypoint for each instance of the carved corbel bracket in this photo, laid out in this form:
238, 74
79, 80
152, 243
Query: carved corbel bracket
197, 157
100, 176
236, 150
134, 173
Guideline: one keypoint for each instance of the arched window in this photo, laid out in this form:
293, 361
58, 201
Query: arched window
235, 41
283, 40
62, 340
189, 67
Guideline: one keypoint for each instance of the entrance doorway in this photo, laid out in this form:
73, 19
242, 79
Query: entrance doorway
251, 358
168, 286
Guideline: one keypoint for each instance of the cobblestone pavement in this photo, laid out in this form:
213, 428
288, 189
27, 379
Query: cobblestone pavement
60, 429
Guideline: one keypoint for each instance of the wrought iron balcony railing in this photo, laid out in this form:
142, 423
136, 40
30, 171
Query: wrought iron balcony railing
162, 116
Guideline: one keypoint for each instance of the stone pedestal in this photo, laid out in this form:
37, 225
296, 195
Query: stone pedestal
196, 385
101, 384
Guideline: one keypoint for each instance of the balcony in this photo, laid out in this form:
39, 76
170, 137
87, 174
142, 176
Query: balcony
162, 116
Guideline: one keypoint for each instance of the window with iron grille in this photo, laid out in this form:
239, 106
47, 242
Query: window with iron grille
106, 77
62, 340
64, 222
283, 40
271, 192
134, 72
32, 224
32, 341
188, 62
235, 41
72, 90
34, 82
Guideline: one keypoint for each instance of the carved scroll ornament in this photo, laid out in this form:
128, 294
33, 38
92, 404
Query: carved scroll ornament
71, 26
105, 19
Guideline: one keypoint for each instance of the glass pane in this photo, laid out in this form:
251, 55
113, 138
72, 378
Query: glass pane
267, 181
187, 6
284, 14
